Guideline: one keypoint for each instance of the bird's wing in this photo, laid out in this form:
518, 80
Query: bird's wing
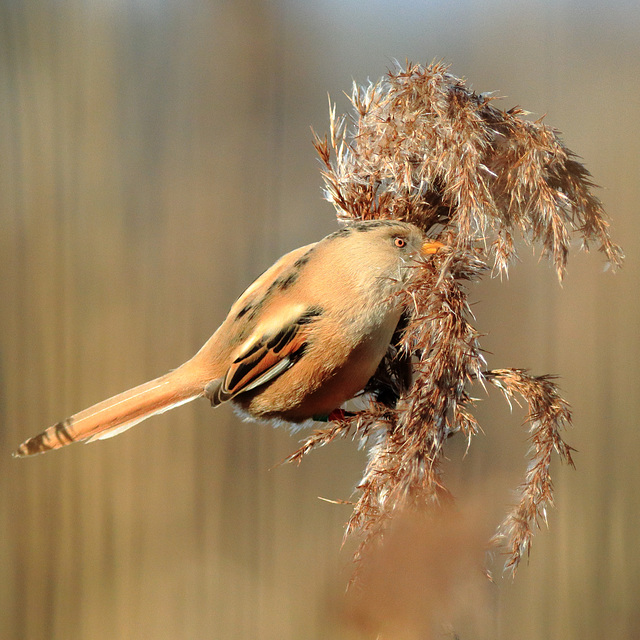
265, 355
247, 302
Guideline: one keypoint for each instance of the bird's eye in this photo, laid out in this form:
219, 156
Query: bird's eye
400, 242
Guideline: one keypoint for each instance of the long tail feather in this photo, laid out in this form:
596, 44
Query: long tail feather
113, 416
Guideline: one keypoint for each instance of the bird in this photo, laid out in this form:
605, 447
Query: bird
302, 340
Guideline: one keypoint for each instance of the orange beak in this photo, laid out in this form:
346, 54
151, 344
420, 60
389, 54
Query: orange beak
430, 247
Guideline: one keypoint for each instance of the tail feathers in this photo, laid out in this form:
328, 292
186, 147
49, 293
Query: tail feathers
117, 414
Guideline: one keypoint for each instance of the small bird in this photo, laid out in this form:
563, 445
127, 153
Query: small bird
303, 339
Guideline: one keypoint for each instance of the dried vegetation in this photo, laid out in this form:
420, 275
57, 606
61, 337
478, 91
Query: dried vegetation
420, 146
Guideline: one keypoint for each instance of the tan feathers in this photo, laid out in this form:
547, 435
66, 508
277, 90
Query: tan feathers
304, 338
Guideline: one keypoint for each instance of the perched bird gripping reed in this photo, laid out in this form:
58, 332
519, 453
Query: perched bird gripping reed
433, 181
303, 339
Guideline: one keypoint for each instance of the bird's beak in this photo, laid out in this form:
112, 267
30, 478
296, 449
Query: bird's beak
430, 247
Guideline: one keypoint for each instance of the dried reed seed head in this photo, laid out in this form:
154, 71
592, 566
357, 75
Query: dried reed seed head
421, 147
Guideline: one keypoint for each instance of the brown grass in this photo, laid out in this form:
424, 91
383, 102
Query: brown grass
421, 147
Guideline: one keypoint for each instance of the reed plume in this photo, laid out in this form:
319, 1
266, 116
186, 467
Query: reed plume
420, 146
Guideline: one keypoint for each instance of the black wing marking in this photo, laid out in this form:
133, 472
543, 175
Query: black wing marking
268, 358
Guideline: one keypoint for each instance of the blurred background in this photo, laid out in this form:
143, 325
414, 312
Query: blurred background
155, 157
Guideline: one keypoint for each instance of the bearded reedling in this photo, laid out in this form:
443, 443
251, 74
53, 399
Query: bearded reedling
303, 339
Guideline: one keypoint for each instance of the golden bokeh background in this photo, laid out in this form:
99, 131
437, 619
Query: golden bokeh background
155, 156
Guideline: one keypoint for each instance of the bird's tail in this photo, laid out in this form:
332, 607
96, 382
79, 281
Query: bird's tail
117, 414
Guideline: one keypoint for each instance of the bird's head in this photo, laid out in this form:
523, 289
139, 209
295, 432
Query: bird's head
387, 249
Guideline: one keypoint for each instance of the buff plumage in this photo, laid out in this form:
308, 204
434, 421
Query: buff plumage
303, 339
